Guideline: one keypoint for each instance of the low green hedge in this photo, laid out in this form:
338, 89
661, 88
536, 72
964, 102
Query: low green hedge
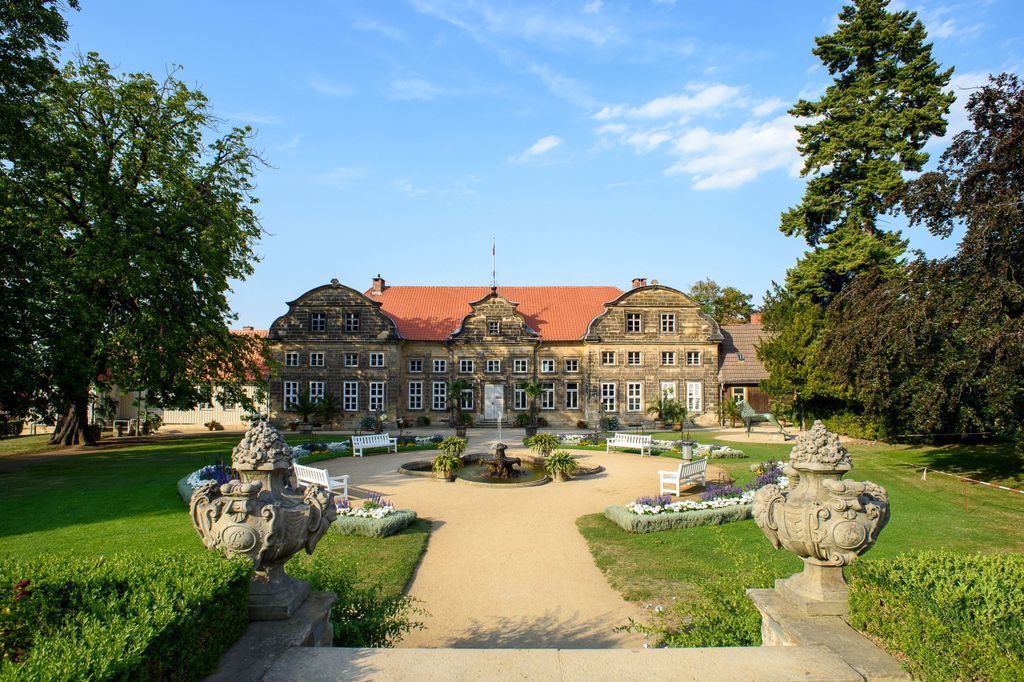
649, 523
119, 617
952, 616
393, 523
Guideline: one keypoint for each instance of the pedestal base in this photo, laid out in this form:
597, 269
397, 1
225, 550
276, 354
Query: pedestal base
816, 591
277, 597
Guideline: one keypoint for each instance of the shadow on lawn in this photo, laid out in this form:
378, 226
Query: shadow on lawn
989, 461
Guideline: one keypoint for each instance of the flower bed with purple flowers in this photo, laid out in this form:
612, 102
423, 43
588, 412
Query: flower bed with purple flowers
217, 473
718, 504
375, 518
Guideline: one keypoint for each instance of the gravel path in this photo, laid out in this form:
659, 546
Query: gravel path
507, 568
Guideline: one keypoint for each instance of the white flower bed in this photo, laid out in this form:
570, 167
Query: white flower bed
694, 505
422, 440
362, 513
334, 446
201, 477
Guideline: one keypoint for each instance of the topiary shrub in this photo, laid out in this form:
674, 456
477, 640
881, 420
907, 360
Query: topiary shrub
950, 616
650, 523
394, 522
120, 617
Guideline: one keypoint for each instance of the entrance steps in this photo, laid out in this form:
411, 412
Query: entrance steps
492, 423
747, 664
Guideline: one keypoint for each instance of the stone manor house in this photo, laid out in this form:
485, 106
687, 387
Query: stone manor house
597, 351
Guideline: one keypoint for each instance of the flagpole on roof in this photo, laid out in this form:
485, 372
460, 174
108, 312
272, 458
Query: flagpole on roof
494, 268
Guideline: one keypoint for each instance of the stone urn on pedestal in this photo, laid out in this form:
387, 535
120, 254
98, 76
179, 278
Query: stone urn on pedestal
824, 520
263, 518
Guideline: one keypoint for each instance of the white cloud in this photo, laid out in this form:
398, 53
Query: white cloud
413, 89
541, 146
962, 85
341, 176
406, 187
612, 129
290, 144
253, 117
593, 7
767, 106
735, 157
698, 98
371, 26
561, 86
327, 87
648, 141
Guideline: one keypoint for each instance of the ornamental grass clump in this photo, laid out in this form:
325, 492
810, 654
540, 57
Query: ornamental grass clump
561, 463
543, 443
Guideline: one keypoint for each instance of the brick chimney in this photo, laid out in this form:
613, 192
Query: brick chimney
378, 285
755, 318
639, 282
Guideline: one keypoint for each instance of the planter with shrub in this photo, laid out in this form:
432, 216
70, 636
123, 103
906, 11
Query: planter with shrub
561, 465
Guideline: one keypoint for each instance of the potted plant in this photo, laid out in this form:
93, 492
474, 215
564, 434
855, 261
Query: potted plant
533, 390
561, 465
731, 411
449, 461
543, 443
304, 407
328, 408
455, 390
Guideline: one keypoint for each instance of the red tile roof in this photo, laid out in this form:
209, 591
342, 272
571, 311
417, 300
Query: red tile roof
738, 359
262, 368
425, 313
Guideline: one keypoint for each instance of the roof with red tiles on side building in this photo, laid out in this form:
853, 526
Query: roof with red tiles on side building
739, 363
262, 366
432, 313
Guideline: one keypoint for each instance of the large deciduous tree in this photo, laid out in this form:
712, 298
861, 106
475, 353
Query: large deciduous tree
727, 305
140, 217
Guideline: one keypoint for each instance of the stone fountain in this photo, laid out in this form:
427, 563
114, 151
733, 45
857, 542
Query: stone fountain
263, 518
500, 465
825, 521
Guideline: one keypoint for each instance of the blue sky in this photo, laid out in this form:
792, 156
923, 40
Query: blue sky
595, 141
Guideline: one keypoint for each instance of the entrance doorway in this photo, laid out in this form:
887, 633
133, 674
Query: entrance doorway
494, 401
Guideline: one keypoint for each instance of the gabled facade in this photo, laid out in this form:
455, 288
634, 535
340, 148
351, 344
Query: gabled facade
597, 351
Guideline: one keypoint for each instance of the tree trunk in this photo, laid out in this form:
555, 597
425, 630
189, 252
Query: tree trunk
73, 428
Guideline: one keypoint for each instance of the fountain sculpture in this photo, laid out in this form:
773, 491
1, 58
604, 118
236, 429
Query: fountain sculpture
263, 518
825, 521
500, 465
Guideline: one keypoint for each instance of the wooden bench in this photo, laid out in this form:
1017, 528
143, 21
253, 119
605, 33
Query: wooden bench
630, 441
376, 440
694, 472
313, 476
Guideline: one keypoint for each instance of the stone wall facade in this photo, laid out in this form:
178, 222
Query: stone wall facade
651, 339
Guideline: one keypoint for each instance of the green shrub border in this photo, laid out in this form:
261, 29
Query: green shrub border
126, 616
651, 523
393, 523
952, 616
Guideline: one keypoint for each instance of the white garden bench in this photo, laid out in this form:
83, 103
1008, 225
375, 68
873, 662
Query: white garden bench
374, 440
312, 475
630, 441
693, 472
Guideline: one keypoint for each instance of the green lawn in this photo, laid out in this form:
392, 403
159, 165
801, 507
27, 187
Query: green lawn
25, 445
124, 499
925, 514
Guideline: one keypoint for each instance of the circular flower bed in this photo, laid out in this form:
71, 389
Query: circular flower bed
715, 496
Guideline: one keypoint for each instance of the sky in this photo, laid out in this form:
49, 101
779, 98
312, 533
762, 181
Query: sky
593, 141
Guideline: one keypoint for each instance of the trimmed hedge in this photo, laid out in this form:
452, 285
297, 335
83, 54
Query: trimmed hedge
650, 523
952, 616
393, 523
119, 617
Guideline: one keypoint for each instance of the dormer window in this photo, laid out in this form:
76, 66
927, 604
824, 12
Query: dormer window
634, 323
351, 322
318, 322
493, 327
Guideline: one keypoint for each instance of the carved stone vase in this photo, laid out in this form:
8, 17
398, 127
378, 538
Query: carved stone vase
263, 518
824, 520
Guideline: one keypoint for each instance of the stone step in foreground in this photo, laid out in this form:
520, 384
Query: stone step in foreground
749, 664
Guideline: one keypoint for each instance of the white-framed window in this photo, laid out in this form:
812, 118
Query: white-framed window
692, 357
376, 396
520, 366
317, 322
668, 389
634, 397
494, 365
351, 359
466, 366
572, 395
668, 358
291, 359
291, 393
376, 359
739, 393
351, 322
440, 366
694, 396
493, 327
466, 399
634, 322
316, 359
572, 365
633, 357
415, 395
416, 365
668, 323
519, 399
316, 391
547, 396
607, 357
350, 396
608, 397
547, 365
440, 396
